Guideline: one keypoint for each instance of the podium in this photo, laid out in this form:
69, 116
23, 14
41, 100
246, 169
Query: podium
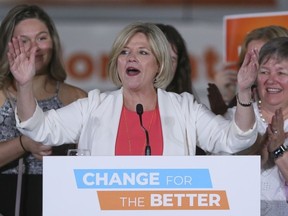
151, 185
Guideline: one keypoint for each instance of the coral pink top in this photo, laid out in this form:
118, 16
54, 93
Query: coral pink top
131, 137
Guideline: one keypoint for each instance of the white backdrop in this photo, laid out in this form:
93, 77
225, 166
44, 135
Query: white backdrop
86, 47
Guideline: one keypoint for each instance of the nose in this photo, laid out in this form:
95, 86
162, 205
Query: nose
32, 43
132, 57
272, 78
35, 44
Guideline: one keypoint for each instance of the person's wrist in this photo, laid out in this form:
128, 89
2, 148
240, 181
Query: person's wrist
244, 100
278, 152
22, 145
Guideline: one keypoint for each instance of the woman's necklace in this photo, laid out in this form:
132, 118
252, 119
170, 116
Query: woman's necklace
127, 128
260, 112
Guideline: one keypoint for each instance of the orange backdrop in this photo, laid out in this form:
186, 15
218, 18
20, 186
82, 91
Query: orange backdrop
236, 27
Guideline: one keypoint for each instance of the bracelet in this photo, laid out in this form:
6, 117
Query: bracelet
279, 151
243, 104
21, 143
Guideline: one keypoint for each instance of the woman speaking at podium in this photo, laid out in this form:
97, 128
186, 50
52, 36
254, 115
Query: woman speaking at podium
108, 123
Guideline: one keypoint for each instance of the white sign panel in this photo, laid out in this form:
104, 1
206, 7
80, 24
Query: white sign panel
155, 185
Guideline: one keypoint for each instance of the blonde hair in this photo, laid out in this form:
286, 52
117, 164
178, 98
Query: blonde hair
160, 49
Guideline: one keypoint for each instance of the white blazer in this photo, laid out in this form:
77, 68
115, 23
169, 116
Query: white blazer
93, 123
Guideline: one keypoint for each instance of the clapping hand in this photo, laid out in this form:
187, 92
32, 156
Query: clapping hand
275, 138
276, 134
217, 104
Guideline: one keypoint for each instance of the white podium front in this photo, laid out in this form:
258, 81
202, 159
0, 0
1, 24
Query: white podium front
151, 185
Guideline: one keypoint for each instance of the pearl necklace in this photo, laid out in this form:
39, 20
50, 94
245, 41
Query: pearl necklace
260, 112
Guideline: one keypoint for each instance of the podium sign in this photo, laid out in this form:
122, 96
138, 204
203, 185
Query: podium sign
153, 185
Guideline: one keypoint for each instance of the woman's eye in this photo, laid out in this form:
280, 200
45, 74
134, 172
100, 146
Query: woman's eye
282, 73
143, 52
124, 52
24, 41
263, 72
42, 38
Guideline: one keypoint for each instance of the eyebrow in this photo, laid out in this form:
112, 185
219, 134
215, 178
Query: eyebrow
39, 33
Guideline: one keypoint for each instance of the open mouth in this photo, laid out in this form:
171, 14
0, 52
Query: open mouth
131, 71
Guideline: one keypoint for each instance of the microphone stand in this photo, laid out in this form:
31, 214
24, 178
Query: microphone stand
139, 110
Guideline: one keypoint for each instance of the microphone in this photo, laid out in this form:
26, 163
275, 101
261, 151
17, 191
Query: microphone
139, 110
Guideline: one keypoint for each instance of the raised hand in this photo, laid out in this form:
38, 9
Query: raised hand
226, 81
247, 74
21, 61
